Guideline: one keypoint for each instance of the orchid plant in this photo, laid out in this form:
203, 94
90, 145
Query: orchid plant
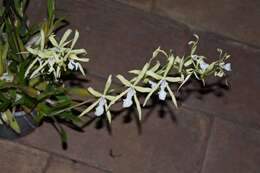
34, 65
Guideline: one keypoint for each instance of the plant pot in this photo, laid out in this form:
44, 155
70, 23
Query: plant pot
25, 123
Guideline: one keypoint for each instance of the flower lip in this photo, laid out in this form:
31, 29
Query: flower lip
162, 93
203, 65
100, 108
127, 102
227, 67
153, 84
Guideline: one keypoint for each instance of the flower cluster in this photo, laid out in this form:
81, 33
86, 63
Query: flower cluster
57, 58
160, 79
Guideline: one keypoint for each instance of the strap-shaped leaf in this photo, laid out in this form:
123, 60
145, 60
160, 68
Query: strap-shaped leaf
123, 80
89, 108
10, 120
172, 96
138, 106
94, 92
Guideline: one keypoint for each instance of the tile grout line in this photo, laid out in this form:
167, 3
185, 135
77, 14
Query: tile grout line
217, 115
193, 27
51, 153
209, 138
45, 169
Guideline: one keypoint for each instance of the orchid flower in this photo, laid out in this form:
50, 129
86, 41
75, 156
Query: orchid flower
131, 91
163, 82
57, 58
101, 104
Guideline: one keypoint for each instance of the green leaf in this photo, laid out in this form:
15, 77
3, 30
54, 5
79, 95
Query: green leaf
51, 9
82, 92
3, 54
10, 120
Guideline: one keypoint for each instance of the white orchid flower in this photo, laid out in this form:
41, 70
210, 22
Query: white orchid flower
131, 91
57, 58
162, 85
102, 102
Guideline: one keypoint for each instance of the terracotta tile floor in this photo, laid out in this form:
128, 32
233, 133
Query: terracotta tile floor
215, 131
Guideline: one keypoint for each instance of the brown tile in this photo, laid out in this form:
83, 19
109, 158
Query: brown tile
241, 102
232, 18
118, 37
232, 149
60, 165
164, 144
143, 4
18, 158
